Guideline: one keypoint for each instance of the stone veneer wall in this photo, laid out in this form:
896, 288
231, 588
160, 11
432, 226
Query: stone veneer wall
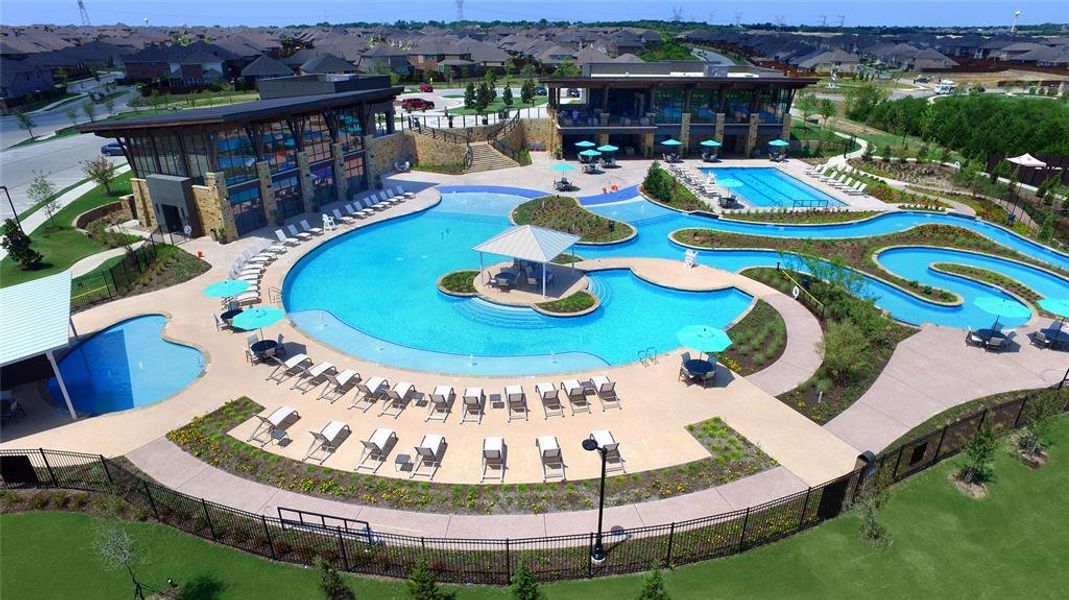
213, 209
435, 152
341, 182
146, 215
541, 131
515, 139
383, 152
751, 135
785, 133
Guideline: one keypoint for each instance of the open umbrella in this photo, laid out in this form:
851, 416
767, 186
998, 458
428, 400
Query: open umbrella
1002, 308
779, 144
711, 143
704, 338
1056, 306
258, 318
226, 288
607, 148
590, 153
562, 167
671, 142
585, 144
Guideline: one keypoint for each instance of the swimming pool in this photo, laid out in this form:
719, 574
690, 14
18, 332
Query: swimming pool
766, 187
126, 366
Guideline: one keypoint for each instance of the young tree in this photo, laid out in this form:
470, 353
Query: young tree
525, 584
89, 109
806, 103
482, 97
101, 170
469, 96
871, 528
826, 109
119, 551
43, 192
26, 122
510, 69
506, 96
979, 456
72, 115
422, 585
17, 244
447, 72
527, 92
528, 71
331, 583
653, 586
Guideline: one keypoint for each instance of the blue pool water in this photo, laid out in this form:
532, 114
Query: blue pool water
126, 366
766, 187
371, 293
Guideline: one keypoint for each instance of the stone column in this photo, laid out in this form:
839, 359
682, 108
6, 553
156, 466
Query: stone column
719, 131
751, 135
602, 139
216, 211
307, 197
341, 184
267, 195
684, 132
785, 133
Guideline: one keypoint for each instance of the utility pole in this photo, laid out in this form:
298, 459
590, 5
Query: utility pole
460, 10
84, 13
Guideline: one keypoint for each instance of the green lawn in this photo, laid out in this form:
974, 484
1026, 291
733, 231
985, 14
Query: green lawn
499, 105
63, 245
944, 545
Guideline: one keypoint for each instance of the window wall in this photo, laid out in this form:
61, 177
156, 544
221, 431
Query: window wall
247, 207
172, 162
279, 147
668, 105
287, 191
737, 105
323, 183
237, 156
316, 137
355, 174
143, 155
350, 134
198, 155
773, 105
704, 104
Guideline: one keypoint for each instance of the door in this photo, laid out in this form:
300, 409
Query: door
172, 220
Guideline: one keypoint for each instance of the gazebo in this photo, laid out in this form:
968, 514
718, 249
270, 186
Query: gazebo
1027, 160
34, 320
530, 243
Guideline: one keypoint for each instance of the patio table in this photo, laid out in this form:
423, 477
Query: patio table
229, 315
262, 347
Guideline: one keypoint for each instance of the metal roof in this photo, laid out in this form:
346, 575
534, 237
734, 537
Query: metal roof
34, 317
528, 242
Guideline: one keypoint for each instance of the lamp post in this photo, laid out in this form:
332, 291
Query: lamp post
14, 213
597, 555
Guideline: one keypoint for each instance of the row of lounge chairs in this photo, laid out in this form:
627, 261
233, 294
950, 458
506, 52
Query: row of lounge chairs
428, 453
358, 209
839, 180
703, 186
249, 266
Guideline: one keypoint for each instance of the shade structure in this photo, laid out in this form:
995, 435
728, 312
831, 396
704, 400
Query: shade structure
563, 167
1027, 160
704, 338
607, 148
671, 142
590, 153
585, 144
528, 242
226, 288
258, 317
1057, 306
711, 143
1002, 308
779, 144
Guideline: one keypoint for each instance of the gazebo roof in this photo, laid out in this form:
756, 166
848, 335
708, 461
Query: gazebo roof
34, 317
528, 242
1027, 160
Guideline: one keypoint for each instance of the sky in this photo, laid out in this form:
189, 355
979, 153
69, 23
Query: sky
290, 12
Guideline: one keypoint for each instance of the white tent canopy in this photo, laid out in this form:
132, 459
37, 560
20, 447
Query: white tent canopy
527, 242
1027, 160
34, 320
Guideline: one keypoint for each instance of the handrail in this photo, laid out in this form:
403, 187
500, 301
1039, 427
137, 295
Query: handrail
803, 292
418, 127
505, 128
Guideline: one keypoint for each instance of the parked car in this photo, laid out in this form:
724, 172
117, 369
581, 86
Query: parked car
426, 88
112, 149
922, 80
540, 90
573, 93
411, 104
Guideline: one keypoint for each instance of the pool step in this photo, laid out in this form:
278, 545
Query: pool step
497, 315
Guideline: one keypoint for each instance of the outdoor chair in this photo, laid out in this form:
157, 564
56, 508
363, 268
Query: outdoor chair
309, 378
973, 339
326, 441
613, 460
495, 455
285, 239
338, 385
309, 229
304, 237
605, 388
517, 402
370, 392
441, 403
474, 400
270, 427
376, 449
551, 458
343, 218
576, 393
397, 397
289, 368
220, 324
428, 456
550, 397
10, 409
280, 346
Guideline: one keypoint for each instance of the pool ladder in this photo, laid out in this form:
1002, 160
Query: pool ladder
647, 356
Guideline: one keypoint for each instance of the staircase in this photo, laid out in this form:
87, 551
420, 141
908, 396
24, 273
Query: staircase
485, 157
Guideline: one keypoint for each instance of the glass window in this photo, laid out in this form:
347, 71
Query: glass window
668, 104
143, 155
773, 105
279, 147
237, 157
704, 104
247, 207
287, 191
323, 183
198, 156
316, 137
172, 162
354, 174
350, 134
737, 106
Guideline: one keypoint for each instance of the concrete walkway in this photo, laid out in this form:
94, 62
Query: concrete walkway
93, 261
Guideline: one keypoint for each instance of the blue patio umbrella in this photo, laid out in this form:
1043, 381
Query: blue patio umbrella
1002, 308
585, 144
729, 182
1056, 306
779, 144
607, 148
704, 338
226, 288
258, 317
590, 153
562, 167
711, 143
671, 142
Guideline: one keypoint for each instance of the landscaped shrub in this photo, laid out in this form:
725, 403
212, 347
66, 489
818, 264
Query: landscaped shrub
979, 457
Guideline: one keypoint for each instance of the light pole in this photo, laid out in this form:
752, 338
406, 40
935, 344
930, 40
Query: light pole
597, 554
14, 213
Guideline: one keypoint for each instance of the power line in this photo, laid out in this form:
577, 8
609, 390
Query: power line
83, 13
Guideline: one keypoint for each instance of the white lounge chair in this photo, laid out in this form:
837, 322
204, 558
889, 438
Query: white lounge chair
339, 385
365, 206
285, 239
605, 388
376, 449
550, 397
613, 460
440, 403
551, 458
495, 456
309, 229
474, 400
405, 193
576, 393
301, 235
428, 456
309, 378
289, 368
326, 441
397, 399
370, 392
344, 219
353, 212
270, 427
516, 400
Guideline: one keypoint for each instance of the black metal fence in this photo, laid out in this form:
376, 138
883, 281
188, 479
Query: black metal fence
350, 545
418, 119
114, 281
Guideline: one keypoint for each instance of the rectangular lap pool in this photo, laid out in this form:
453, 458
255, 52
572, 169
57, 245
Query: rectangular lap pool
764, 187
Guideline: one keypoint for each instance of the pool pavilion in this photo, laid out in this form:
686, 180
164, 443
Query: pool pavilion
526, 244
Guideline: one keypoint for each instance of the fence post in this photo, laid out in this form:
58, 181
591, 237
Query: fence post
894, 471
267, 533
344, 555
589, 553
1017, 419
745, 522
671, 538
805, 507
51, 474
107, 473
151, 500
508, 562
983, 417
208, 517
939, 446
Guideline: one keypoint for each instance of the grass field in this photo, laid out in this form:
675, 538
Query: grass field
943, 545
498, 105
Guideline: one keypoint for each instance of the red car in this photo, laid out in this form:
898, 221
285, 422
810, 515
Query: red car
411, 104
426, 88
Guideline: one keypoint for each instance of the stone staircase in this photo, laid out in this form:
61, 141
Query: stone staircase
485, 157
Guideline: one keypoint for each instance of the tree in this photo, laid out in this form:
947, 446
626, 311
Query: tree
469, 96
528, 71
979, 456
447, 72
422, 585
482, 97
26, 122
862, 100
843, 349
527, 91
525, 584
1046, 231
101, 170
506, 96
90, 110
62, 75
658, 183
490, 78
566, 69
72, 115
119, 551
17, 244
510, 69
109, 105
331, 583
653, 586
43, 192
807, 105
826, 109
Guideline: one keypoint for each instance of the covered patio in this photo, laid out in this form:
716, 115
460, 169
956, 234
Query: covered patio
532, 250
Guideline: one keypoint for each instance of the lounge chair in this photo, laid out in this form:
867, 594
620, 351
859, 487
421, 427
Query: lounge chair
613, 460
353, 213
551, 458
270, 427
285, 239
428, 456
517, 402
550, 397
440, 403
304, 237
998, 344
376, 449
289, 368
309, 378
10, 409
370, 391
474, 400
338, 384
397, 397
363, 208
495, 455
973, 339
326, 441
576, 393
309, 229
605, 388
220, 324
344, 219
405, 193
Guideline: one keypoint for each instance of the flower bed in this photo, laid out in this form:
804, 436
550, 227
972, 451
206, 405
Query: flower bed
811, 216
562, 213
579, 302
758, 340
997, 279
660, 186
459, 283
206, 438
